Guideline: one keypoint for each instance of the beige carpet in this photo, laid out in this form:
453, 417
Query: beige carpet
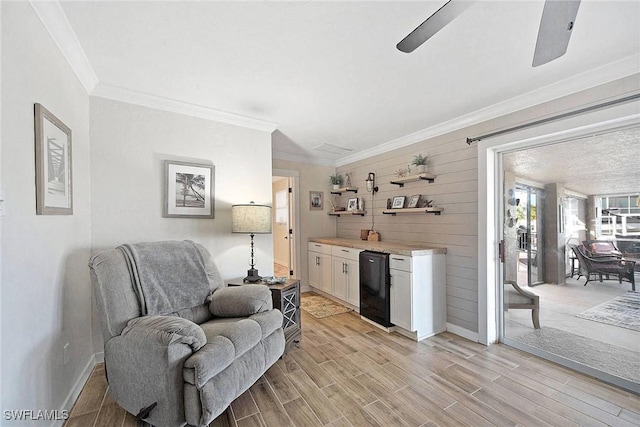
319, 306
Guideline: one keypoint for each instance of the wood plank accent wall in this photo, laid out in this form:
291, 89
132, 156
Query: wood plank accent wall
455, 189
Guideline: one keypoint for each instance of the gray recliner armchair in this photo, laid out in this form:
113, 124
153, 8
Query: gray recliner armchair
179, 346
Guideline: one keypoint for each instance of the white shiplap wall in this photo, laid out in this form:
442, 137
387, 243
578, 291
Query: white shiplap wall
455, 189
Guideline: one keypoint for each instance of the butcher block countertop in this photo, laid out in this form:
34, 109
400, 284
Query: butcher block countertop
407, 249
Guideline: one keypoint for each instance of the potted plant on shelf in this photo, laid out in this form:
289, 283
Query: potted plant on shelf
336, 180
420, 162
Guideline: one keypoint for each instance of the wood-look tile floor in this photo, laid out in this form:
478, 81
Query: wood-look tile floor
346, 372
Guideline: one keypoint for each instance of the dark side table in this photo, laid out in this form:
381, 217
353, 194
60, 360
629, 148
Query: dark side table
286, 298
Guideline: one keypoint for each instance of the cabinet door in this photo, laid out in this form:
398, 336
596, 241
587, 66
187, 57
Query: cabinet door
315, 277
401, 299
339, 278
353, 282
325, 272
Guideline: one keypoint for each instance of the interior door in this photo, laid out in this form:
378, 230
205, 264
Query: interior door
281, 246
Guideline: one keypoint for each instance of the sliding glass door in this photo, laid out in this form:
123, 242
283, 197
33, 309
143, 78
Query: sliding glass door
529, 232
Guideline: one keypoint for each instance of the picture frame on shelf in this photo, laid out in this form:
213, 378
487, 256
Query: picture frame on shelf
54, 185
316, 200
188, 190
413, 201
352, 204
398, 202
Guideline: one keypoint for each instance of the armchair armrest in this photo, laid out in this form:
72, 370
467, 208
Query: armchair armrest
145, 365
521, 291
165, 330
241, 301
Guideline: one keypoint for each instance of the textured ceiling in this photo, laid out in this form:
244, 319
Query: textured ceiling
329, 72
603, 164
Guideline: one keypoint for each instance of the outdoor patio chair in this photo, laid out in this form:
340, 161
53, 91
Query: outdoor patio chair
516, 297
603, 267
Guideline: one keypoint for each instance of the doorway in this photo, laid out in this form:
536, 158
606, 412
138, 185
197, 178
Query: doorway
592, 345
286, 245
282, 229
529, 231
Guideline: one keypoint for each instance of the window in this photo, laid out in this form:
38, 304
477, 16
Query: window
618, 215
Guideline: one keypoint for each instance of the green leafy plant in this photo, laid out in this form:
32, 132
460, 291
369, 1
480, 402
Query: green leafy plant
336, 179
419, 160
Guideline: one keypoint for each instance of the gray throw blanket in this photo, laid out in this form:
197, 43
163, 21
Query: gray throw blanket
167, 276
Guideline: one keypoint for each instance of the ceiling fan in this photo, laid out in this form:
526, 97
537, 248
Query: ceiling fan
558, 17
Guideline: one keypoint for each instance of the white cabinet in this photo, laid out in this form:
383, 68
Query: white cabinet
418, 294
418, 285
339, 279
401, 313
320, 266
346, 274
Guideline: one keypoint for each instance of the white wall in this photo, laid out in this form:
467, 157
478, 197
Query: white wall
129, 146
46, 299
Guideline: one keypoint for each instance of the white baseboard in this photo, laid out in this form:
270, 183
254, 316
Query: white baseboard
77, 388
464, 333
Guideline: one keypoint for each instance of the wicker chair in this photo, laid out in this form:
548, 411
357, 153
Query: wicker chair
603, 267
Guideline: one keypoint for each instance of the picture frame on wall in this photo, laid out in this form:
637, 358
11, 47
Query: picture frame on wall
413, 201
54, 184
398, 202
188, 190
352, 204
316, 200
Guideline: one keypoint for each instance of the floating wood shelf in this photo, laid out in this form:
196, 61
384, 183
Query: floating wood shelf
421, 176
344, 190
434, 210
339, 213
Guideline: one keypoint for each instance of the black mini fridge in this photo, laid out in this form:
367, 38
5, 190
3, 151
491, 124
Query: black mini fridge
375, 281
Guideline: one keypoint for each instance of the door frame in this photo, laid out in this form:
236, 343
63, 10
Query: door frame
490, 190
294, 214
491, 209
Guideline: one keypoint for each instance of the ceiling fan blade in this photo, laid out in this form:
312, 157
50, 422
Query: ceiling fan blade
558, 18
447, 13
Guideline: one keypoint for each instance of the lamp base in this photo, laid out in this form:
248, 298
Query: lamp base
252, 276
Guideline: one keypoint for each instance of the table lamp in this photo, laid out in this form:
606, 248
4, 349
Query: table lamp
251, 219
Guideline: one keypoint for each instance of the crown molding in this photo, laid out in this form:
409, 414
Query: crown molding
589, 79
299, 158
167, 104
57, 24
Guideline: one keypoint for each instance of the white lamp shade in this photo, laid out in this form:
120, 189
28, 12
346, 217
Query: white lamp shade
251, 219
